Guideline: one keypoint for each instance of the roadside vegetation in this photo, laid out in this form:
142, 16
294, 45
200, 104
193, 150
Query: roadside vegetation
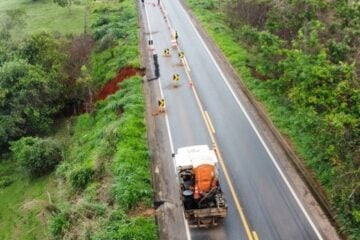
38, 20
301, 59
72, 165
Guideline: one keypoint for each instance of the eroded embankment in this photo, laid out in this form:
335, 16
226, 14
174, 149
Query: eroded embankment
112, 86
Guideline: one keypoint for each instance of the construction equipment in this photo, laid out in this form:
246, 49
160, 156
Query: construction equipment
203, 201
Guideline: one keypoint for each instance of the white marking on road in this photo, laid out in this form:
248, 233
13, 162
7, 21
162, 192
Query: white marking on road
161, 93
187, 67
256, 131
188, 236
187, 230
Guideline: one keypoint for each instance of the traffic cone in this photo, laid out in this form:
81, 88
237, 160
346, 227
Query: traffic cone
196, 193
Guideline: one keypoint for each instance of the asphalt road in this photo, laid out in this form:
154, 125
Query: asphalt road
270, 206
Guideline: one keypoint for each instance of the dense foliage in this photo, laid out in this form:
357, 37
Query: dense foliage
36, 156
102, 186
41, 75
30, 86
303, 62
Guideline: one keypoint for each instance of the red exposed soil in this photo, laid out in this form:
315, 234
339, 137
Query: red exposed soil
112, 86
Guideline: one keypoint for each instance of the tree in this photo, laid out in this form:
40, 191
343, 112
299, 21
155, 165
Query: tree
64, 3
36, 156
44, 50
30, 95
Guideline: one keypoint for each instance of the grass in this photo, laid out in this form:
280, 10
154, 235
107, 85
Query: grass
113, 144
22, 204
114, 27
45, 15
105, 176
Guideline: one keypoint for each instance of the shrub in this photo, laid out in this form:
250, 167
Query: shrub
35, 155
102, 20
93, 209
59, 223
5, 181
80, 177
121, 226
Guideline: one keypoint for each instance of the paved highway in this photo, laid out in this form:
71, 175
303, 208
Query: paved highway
262, 203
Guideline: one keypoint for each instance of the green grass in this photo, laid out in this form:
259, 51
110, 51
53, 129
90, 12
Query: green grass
22, 204
45, 15
121, 27
114, 146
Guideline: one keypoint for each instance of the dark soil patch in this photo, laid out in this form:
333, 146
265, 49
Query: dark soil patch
258, 75
255, 73
111, 87
142, 211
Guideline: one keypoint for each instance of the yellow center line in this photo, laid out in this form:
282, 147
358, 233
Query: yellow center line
255, 235
210, 123
231, 187
250, 234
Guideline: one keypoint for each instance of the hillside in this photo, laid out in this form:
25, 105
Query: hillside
74, 157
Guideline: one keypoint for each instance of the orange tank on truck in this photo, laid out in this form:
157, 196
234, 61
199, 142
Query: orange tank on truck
202, 197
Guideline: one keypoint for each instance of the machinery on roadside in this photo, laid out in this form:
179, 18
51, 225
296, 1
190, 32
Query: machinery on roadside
202, 197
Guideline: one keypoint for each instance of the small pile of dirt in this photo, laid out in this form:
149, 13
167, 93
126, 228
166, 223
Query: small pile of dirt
142, 211
112, 86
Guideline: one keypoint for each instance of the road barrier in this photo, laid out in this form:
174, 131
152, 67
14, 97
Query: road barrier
157, 67
167, 52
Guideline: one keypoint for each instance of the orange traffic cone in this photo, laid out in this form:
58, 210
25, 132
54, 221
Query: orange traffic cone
196, 193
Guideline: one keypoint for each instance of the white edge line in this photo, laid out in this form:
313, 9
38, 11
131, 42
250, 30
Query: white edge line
188, 236
256, 131
162, 94
187, 67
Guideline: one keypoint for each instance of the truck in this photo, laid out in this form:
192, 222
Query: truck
201, 194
